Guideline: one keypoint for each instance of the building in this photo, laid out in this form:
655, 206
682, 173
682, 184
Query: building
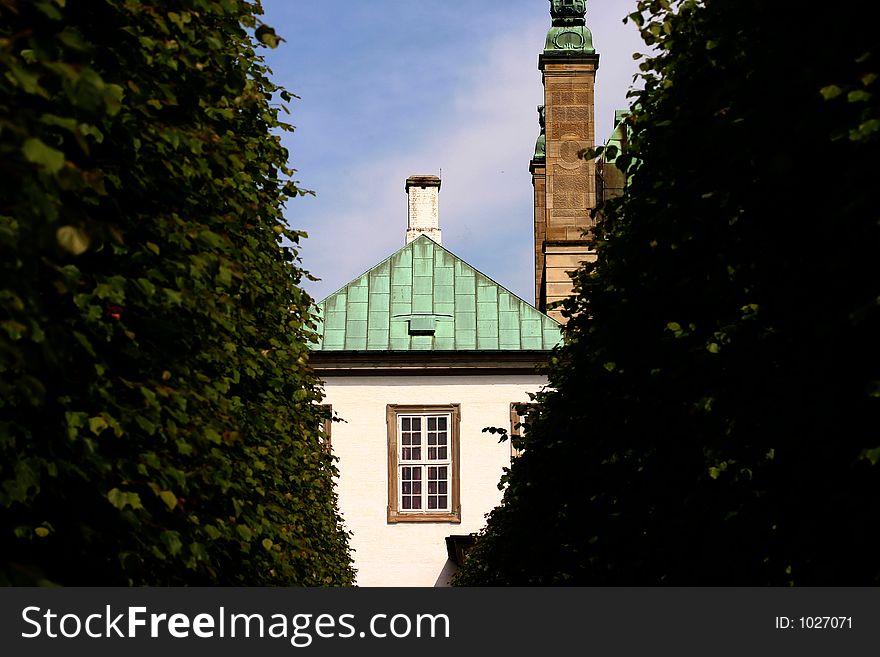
422, 352
418, 355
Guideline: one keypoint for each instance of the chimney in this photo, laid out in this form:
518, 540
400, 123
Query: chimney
423, 214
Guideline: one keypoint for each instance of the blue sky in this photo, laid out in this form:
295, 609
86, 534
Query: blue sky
391, 88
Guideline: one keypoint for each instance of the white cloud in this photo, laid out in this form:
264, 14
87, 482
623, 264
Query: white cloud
483, 141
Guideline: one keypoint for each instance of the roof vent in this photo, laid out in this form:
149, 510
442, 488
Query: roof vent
422, 325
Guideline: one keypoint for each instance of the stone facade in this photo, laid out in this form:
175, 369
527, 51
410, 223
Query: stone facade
564, 183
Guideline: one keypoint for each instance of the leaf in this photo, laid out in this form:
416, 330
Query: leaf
169, 498
50, 159
97, 424
73, 240
266, 35
872, 455
859, 96
831, 91
26, 79
171, 541
121, 499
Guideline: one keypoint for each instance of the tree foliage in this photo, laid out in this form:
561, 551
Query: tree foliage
158, 418
712, 419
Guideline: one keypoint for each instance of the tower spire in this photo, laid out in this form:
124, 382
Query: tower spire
564, 184
569, 29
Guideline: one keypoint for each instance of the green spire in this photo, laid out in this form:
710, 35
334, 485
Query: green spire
569, 31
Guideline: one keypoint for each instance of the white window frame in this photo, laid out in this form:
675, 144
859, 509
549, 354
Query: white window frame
408, 458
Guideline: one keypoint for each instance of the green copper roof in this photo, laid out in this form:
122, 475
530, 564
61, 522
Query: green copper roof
569, 31
422, 298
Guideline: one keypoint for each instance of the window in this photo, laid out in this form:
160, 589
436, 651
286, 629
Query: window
423, 463
519, 417
326, 427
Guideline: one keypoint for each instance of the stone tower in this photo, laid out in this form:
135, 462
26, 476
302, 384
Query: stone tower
564, 184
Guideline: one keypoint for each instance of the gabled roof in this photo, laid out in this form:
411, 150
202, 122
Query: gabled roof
423, 297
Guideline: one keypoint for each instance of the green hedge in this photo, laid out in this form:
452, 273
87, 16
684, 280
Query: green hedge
715, 412
159, 422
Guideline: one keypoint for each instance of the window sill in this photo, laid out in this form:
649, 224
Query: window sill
395, 517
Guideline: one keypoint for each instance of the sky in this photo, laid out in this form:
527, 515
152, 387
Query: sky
392, 88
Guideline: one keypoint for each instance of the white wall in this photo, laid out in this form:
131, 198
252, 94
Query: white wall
414, 554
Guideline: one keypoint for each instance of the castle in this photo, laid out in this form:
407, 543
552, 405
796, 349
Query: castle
422, 352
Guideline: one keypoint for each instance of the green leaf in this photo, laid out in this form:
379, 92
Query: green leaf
872, 455
51, 160
97, 424
266, 35
169, 498
171, 541
26, 79
121, 499
831, 91
859, 96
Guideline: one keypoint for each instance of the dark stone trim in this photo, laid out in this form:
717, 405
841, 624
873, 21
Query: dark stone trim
342, 363
567, 57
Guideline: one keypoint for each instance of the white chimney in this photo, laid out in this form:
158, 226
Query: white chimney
423, 215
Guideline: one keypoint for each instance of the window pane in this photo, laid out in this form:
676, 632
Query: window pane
424, 455
410, 488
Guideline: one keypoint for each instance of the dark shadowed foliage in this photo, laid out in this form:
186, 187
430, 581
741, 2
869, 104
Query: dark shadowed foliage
715, 410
